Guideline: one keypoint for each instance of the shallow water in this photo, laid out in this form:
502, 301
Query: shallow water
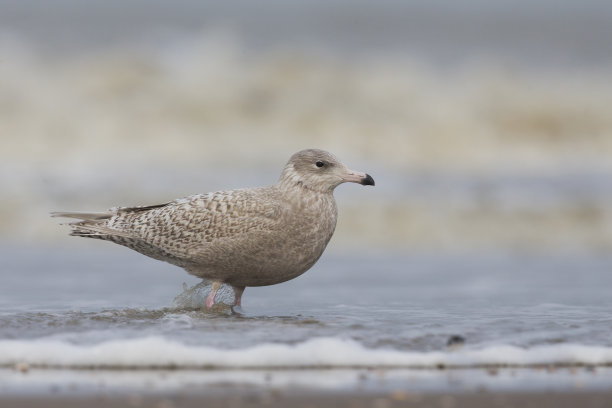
108, 307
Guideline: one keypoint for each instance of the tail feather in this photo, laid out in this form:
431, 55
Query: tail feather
95, 225
95, 230
83, 216
91, 225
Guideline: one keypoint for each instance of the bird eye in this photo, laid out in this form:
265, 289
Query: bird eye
320, 164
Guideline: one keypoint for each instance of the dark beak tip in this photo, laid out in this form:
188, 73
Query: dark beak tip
368, 181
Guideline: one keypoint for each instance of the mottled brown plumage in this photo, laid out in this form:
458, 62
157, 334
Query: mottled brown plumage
246, 237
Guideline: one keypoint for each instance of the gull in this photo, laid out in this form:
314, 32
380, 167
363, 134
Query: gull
244, 237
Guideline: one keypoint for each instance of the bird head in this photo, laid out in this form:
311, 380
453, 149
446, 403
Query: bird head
320, 171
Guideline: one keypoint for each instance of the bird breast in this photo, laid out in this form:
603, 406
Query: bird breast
309, 225
306, 224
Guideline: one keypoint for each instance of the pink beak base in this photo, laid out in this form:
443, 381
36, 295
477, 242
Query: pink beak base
358, 177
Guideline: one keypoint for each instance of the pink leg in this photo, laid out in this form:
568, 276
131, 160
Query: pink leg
210, 299
238, 294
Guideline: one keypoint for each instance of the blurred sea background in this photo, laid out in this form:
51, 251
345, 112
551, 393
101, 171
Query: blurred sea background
487, 126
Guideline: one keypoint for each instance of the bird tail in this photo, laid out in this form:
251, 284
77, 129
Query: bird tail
90, 225
83, 216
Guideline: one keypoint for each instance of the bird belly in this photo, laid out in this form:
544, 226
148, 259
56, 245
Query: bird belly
262, 258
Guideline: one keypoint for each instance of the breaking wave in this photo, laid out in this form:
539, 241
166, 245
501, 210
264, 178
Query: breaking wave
325, 352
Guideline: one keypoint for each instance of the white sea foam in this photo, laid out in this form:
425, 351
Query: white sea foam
158, 352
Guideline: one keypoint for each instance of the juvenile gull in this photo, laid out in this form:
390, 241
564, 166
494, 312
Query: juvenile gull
246, 237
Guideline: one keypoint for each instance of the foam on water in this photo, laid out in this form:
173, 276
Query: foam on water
157, 352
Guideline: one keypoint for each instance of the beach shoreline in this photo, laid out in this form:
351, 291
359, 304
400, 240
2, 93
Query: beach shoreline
380, 388
542, 399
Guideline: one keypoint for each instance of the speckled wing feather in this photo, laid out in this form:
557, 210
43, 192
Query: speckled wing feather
183, 231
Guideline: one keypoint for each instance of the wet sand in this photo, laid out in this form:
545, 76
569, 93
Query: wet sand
510, 387
281, 399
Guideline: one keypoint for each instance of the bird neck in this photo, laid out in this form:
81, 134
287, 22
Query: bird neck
297, 187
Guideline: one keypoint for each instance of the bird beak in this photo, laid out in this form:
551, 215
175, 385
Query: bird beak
358, 177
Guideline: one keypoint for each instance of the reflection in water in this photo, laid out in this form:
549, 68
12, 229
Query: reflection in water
195, 297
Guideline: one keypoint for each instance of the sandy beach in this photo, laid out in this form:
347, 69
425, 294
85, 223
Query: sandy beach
443, 388
280, 399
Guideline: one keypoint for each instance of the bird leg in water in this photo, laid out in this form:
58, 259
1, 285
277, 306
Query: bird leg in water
210, 299
238, 294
